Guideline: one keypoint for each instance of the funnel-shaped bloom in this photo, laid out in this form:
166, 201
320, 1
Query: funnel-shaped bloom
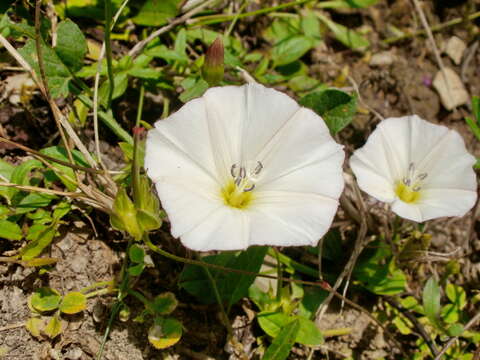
422, 169
245, 165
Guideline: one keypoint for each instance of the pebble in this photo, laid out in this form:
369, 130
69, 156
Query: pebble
455, 93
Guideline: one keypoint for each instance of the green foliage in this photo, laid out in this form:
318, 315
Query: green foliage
231, 286
73, 303
336, 107
156, 13
431, 302
165, 332
281, 345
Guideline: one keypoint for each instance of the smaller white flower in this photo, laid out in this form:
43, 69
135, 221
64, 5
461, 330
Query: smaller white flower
423, 170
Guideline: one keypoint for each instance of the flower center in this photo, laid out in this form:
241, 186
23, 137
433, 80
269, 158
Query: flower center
408, 189
238, 192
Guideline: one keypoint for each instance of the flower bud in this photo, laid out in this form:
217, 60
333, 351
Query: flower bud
212, 70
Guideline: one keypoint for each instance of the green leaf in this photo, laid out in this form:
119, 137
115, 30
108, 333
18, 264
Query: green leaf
291, 49
311, 25
361, 3
165, 332
9, 230
6, 169
71, 44
476, 107
456, 295
311, 300
455, 330
121, 83
273, 323
54, 327
282, 344
136, 254
194, 91
34, 325
231, 286
336, 107
124, 215
308, 334
165, 303
431, 302
57, 74
156, 12
64, 173
40, 237
33, 201
73, 303
20, 176
45, 299
346, 36
136, 270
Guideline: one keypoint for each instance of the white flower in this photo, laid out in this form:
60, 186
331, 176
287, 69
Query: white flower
422, 169
245, 165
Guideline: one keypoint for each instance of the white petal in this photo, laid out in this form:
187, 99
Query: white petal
302, 141
407, 211
370, 181
323, 177
187, 131
187, 191
224, 229
450, 165
445, 202
383, 160
269, 111
288, 218
226, 113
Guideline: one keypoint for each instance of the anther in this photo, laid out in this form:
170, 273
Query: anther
258, 168
243, 173
249, 188
417, 188
406, 181
422, 176
232, 170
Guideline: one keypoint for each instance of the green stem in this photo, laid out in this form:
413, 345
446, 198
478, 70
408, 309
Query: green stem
148, 304
213, 284
218, 18
96, 285
120, 296
434, 28
136, 149
108, 50
108, 120
100, 292
279, 275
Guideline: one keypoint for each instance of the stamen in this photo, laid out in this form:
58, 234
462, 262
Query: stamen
243, 173
422, 176
249, 188
406, 181
258, 168
417, 188
232, 170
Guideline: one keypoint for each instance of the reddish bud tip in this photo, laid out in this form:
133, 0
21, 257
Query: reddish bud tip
212, 70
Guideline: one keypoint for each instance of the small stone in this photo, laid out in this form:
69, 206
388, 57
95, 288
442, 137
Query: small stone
384, 58
455, 47
450, 88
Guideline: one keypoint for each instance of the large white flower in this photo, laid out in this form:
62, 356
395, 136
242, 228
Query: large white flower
245, 165
422, 169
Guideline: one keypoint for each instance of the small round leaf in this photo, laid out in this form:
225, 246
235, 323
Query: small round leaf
45, 299
54, 327
73, 303
165, 332
165, 303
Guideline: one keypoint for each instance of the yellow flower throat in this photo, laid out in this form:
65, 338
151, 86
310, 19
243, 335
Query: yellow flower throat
235, 196
408, 189
238, 192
